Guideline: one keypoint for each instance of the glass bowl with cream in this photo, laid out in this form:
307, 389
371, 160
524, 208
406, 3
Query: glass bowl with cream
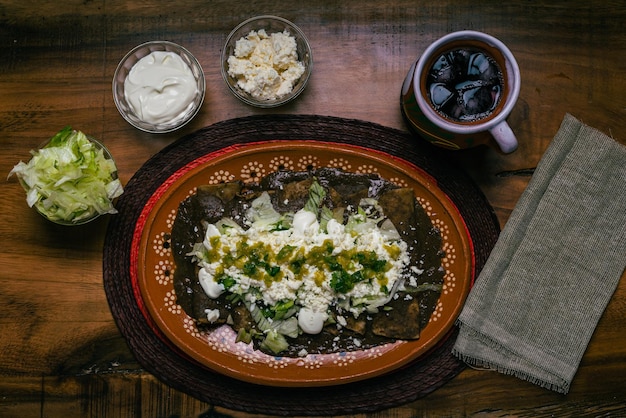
158, 86
266, 61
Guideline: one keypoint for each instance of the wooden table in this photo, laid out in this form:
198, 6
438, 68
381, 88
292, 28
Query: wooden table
61, 353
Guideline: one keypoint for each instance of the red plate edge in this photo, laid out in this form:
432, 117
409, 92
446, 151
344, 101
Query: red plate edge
163, 188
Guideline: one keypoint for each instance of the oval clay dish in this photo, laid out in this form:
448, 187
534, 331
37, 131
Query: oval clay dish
152, 264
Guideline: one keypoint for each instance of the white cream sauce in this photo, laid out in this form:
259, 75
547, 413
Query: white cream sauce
160, 87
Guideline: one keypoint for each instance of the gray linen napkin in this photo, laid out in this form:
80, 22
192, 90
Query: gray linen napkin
555, 265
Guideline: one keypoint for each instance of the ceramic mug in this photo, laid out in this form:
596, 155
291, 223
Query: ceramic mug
461, 90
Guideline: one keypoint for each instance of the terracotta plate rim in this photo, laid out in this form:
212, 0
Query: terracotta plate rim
396, 354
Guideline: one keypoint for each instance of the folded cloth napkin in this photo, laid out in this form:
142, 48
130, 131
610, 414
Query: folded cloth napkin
555, 266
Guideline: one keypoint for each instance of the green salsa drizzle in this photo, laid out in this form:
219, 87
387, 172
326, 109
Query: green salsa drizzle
260, 262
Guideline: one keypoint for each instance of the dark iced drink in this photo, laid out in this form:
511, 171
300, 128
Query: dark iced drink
465, 85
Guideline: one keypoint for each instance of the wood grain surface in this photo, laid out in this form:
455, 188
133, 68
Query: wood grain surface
60, 351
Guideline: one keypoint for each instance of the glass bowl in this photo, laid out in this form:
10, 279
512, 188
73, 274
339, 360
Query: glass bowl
90, 195
114, 176
271, 24
131, 115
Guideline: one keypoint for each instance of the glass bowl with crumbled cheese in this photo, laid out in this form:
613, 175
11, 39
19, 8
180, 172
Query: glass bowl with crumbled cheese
266, 61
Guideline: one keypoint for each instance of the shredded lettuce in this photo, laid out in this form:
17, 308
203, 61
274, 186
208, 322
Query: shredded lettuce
227, 225
262, 214
70, 179
274, 331
316, 195
274, 341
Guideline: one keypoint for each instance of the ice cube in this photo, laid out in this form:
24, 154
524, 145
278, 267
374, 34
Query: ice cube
442, 70
439, 94
478, 64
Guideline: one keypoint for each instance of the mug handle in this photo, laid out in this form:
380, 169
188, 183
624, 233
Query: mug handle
505, 137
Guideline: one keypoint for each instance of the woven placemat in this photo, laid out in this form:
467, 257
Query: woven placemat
407, 384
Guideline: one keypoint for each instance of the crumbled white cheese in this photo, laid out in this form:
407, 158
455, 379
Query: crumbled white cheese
308, 293
304, 265
416, 270
266, 66
212, 315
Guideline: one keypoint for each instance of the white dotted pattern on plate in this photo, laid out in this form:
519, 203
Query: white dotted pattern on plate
223, 339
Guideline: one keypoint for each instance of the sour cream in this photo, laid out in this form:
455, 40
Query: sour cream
310, 321
160, 87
